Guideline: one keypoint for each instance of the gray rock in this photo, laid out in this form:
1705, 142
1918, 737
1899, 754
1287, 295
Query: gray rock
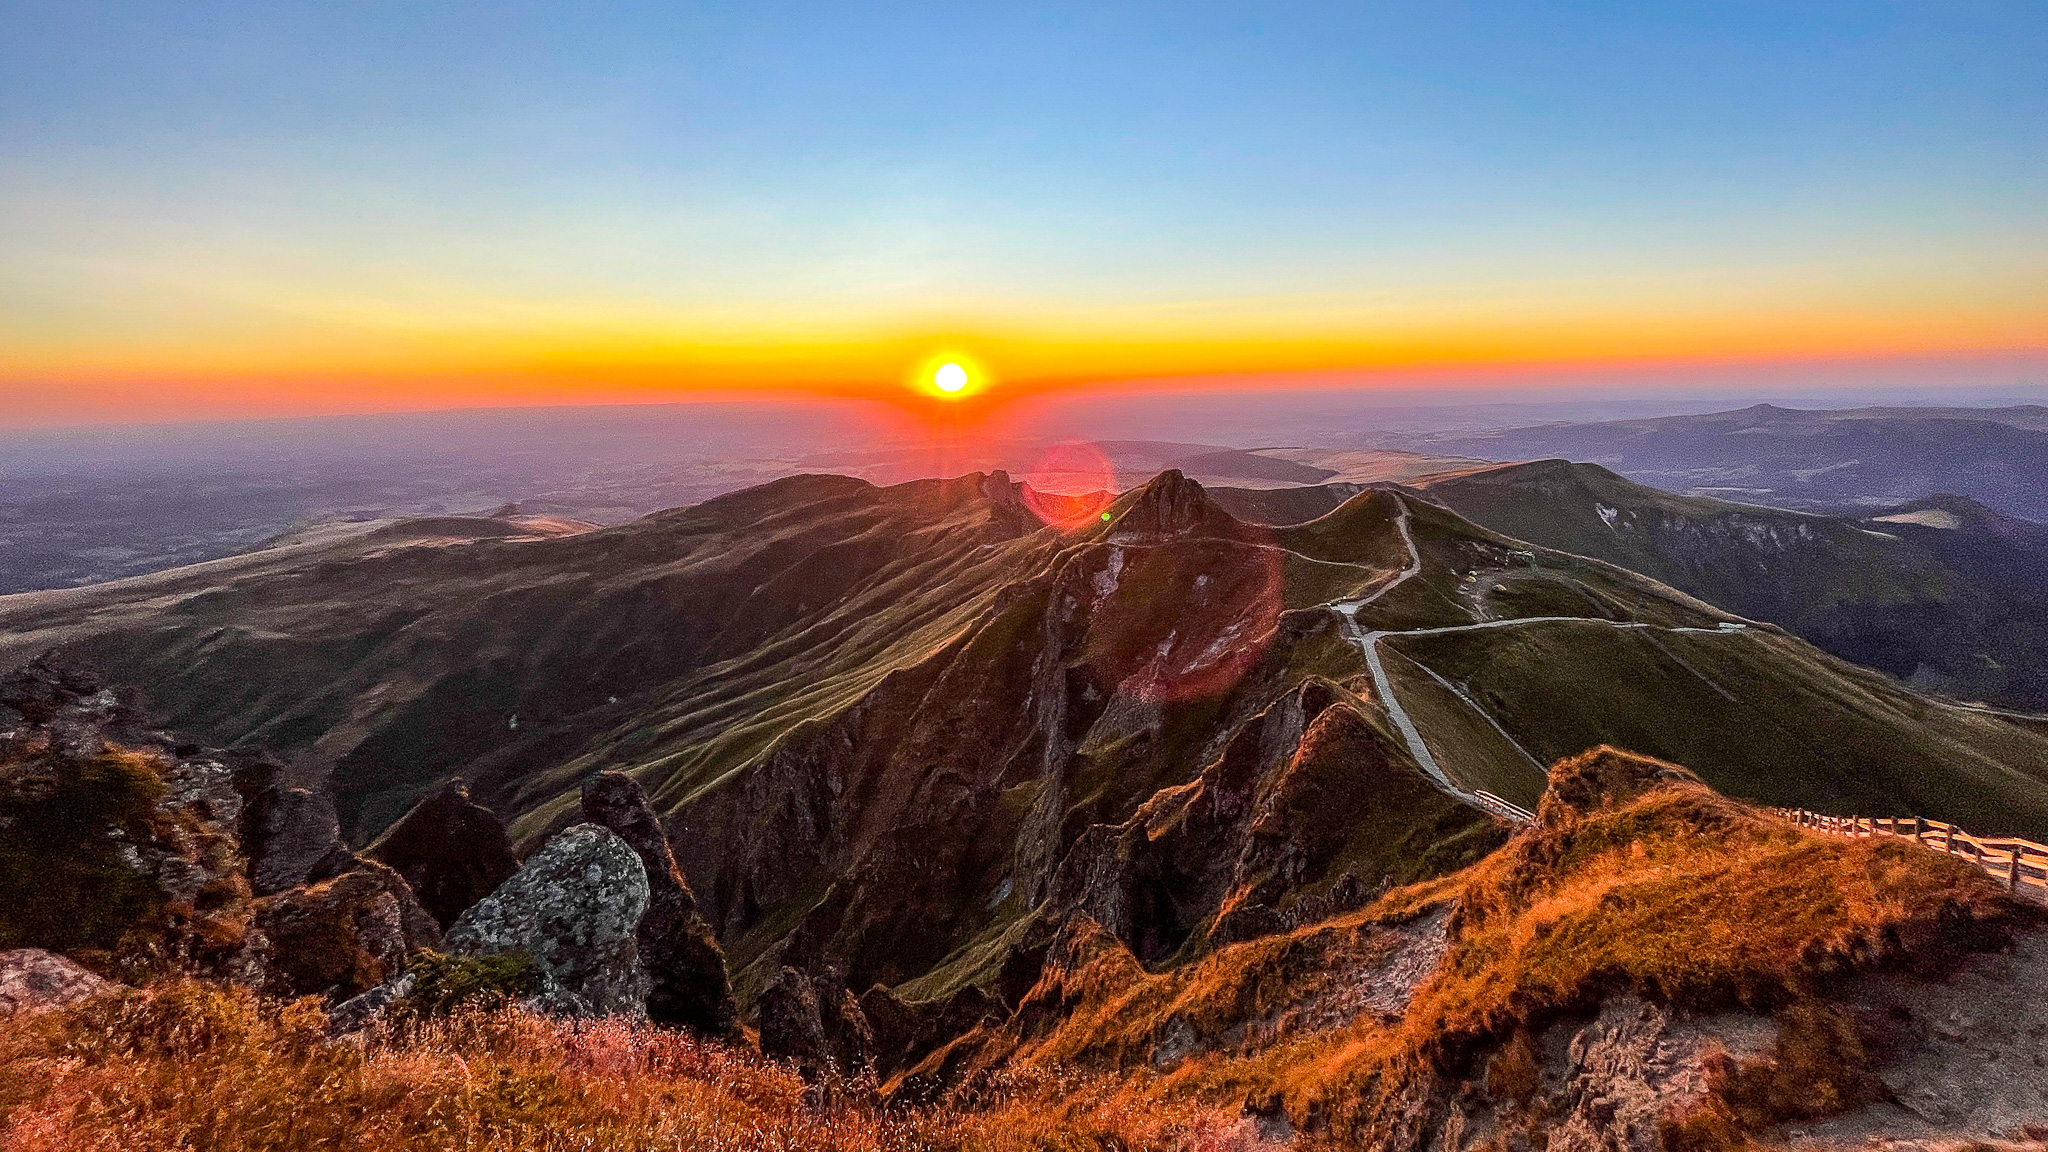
32, 980
574, 907
291, 837
359, 1012
687, 980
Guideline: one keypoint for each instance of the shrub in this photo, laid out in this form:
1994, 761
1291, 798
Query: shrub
443, 984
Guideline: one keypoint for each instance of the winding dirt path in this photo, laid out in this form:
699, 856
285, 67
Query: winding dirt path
1368, 643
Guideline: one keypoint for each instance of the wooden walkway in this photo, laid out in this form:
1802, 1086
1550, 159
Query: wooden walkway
2021, 865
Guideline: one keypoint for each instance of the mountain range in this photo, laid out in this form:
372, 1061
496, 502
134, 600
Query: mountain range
909, 729
1793, 458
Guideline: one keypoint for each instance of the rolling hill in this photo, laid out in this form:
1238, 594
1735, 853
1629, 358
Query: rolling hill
1793, 458
908, 730
1942, 593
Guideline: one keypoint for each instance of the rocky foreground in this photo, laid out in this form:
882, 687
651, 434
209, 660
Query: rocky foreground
190, 956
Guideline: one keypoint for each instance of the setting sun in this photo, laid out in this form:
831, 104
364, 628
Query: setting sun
949, 378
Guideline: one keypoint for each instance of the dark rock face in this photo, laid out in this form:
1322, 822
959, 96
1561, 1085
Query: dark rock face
32, 980
687, 980
1171, 504
1253, 846
344, 935
574, 907
290, 835
452, 850
816, 1024
904, 1034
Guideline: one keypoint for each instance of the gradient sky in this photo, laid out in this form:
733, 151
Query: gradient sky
265, 208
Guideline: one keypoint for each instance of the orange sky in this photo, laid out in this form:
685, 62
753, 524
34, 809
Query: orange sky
354, 367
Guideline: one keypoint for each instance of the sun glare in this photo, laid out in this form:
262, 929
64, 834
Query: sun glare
950, 378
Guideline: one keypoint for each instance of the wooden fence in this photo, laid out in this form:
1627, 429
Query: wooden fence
2021, 865
1505, 809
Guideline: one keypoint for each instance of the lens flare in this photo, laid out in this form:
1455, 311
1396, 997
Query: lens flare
1070, 486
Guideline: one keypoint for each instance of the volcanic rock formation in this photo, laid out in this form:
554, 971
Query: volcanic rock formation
452, 850
685, 967
574, 908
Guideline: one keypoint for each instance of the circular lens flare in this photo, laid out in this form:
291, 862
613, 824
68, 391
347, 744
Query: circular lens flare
1070, 486
949, 378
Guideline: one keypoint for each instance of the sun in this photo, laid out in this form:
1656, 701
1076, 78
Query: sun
950, 375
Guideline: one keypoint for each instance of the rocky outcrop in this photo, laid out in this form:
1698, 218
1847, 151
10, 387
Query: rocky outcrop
452, 850
1308, 811
1172, 504
32, 980
816, 1024
904, 1034
343, 936
291, 836
685, 968
1602, 777
118, 846
574, 908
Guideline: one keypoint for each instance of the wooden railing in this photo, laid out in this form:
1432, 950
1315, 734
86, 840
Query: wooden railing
2021, 865
1505, 809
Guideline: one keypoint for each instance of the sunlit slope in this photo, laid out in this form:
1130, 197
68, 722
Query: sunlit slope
384, 664
1955, 604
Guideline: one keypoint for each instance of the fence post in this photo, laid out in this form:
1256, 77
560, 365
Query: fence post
1948, 841
2012, 871
1919, 827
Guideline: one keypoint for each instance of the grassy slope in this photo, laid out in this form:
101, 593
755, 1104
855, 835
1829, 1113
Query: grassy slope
1911, 601
1659, 887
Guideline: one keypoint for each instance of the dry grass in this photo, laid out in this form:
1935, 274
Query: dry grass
1665, 889
199, 1067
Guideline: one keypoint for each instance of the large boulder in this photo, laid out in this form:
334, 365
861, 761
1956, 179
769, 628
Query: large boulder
575, 908
32, 980
291, 836
687, 980
452, 850
342, 936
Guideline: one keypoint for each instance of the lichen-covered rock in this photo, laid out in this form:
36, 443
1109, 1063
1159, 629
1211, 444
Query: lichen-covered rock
452, 850
575, 908
687, 980
342, 936
32, 980
291, 836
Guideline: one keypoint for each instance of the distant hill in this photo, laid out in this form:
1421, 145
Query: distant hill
1789, 458
909, 728
1942, 593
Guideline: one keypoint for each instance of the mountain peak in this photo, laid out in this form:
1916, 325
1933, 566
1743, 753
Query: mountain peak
1171, 504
